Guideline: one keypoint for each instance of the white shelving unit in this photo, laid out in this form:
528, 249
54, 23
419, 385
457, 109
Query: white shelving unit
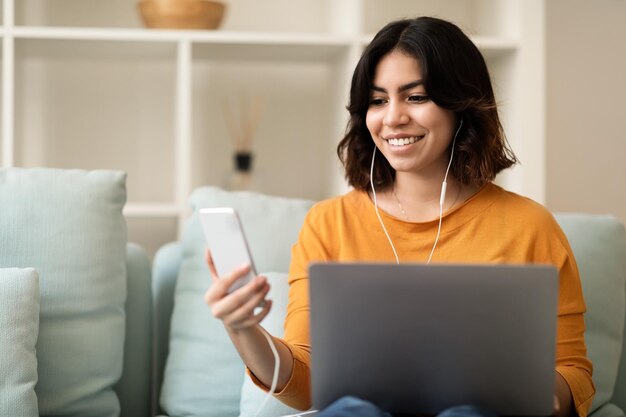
84, 85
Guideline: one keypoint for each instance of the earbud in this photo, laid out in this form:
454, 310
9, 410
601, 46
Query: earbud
442, 195
444, 184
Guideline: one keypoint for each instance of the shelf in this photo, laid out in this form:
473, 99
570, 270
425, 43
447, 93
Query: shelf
237, 45
174, 35
219, 44
151, 210
495, 44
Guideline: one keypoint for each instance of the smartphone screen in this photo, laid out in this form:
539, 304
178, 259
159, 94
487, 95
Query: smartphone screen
227, 242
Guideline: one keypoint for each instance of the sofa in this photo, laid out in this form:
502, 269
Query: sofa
90, 328
75, 297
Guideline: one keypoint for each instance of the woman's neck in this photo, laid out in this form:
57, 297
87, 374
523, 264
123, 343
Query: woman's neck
419, 190
414, 198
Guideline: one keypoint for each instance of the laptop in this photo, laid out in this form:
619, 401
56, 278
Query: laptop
415, 338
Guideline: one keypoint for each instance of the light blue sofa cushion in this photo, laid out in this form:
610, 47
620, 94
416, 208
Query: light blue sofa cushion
252, 397
68, 225
19, 327
203, 373
599, 245
608, 410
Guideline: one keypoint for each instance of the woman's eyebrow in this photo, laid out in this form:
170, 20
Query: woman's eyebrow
402, 88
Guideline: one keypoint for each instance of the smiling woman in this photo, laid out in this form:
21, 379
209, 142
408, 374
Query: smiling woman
423, 119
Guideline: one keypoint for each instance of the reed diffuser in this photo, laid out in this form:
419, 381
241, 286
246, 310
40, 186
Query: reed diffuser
242, 131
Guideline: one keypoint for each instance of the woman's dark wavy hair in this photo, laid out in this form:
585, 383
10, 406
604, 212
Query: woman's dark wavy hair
455, 77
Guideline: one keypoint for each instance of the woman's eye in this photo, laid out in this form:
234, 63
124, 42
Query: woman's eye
417, 98
377, 101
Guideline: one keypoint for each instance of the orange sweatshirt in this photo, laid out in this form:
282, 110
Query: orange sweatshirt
494, 226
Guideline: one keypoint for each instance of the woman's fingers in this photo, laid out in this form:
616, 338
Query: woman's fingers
257, 318
223, 306
220, 286
236, 309
246, 310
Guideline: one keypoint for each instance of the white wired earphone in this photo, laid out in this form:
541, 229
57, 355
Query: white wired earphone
275, 379
276, 369
442, 198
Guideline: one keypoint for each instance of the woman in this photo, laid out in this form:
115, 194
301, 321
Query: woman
422, 114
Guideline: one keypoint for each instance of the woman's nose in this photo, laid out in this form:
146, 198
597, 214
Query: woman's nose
395, 115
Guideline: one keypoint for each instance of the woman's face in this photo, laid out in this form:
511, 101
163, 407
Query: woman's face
410, 130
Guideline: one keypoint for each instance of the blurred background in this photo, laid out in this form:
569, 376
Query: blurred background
94, 84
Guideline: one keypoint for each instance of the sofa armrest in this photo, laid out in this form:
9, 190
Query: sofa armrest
599, 244
166, 265
133, 389
619, 393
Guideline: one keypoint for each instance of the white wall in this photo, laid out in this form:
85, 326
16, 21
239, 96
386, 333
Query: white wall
586, 106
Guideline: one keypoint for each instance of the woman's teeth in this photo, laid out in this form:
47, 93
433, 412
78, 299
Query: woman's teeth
403, 141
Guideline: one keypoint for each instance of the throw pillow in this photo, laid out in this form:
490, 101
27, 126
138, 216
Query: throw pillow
203, 373
599, 245
68, 224
19, 326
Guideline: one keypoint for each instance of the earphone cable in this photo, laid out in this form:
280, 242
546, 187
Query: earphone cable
442, 198
376, 207
276, 370
275, 378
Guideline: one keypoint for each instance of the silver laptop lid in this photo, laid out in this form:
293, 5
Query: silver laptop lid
421, 338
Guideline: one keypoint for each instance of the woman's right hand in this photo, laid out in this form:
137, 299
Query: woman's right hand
237, 309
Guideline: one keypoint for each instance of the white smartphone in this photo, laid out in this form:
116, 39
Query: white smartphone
227, 242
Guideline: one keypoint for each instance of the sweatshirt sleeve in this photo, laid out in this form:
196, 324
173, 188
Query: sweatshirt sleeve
309, 248
551, 246
571, 352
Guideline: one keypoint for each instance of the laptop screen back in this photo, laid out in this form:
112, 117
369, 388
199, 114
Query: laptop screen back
416, 338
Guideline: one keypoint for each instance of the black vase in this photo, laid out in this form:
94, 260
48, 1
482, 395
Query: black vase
243, 161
